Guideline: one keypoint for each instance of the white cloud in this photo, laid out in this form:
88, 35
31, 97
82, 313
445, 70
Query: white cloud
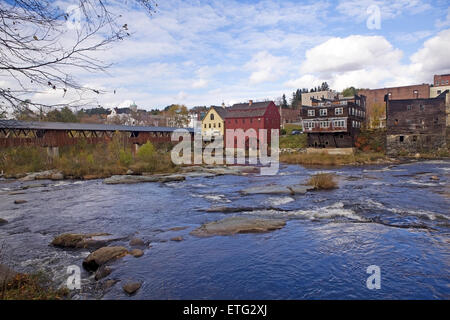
266, 67
350, 54
433, 56
370, 62
200, 83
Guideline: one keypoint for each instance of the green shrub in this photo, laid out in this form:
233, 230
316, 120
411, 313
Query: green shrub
126, 158
146, 152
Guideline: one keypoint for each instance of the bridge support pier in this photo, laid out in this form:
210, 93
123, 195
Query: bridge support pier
136, 147
53, 152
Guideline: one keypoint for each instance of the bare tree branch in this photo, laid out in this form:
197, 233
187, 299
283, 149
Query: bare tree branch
41, 46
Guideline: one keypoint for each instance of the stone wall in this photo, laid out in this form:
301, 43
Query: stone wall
402, 144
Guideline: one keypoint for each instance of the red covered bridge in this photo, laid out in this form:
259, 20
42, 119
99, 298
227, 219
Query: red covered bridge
56, 134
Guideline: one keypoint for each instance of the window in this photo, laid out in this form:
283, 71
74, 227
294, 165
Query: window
401, 138
422, 107
339, 123
408, 107
219, 124
205, 125
211, 116
323, 112
210, 125
338, 111
214, 125
396, 122
439, 92
414, 138
311, 113
324, 124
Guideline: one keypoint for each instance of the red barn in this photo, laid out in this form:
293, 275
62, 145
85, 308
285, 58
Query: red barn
253, 115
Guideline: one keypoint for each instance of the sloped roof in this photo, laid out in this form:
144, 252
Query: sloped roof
246, 110
34, 125
221, 111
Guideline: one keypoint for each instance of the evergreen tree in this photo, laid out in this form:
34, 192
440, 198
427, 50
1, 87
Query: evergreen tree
284, 104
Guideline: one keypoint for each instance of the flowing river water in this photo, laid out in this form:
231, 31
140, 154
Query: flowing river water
394, 217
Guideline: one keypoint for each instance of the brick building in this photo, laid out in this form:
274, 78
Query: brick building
253, 115
441, 80
291, 116
334, 123
375, 103
415, 125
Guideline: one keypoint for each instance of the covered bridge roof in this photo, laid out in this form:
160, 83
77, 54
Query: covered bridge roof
35, 125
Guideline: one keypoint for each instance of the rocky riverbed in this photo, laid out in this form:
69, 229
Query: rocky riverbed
228, 232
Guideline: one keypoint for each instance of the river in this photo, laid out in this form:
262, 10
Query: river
394, 217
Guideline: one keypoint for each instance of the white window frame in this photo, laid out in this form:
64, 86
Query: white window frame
323, 112
338, 111
311, 113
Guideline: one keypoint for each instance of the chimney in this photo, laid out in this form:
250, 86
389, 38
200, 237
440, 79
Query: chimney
250, 102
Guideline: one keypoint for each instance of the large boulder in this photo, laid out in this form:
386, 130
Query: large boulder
78, 240
127, 179
233, 225
103, 255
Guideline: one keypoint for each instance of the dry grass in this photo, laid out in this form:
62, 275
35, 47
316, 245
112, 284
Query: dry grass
31, 287
323, 181
86, 160
323, 159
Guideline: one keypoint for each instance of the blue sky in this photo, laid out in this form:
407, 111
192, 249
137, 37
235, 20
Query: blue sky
209, 52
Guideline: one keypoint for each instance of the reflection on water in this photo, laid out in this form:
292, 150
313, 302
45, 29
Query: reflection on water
395, 217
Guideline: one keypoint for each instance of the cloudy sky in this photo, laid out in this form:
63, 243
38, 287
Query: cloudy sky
209, 52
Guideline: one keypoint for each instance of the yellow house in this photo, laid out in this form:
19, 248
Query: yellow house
214, 121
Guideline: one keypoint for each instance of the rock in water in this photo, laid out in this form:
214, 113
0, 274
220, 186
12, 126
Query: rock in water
118, 179
131, 287
435, 178
20, 201
277, 189
136, 242
177, 239
78, 240
101, 256
3, 221
102, 272
235, 225
137, 253
57, 176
